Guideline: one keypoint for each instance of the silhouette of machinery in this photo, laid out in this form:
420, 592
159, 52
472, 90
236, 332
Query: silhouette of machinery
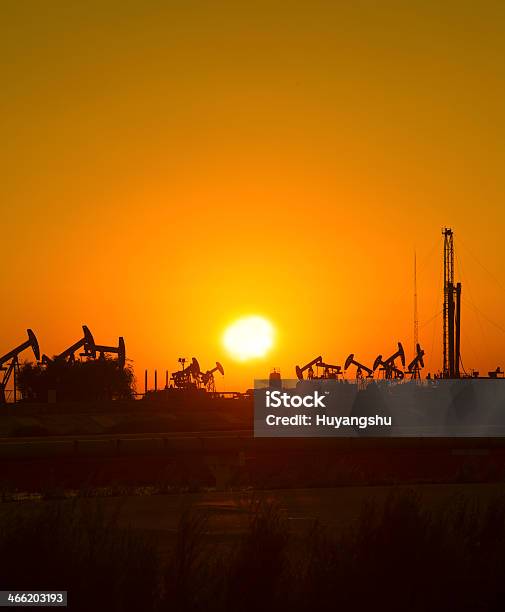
309, 368
90, 350
498, 373
388, 366
414, 367
9, 363
87, 343
207, 378
360, 368
187, 377
330, 371
119, 350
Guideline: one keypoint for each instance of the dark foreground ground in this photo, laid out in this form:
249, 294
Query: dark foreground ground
49, 448
122, 417
201, 461
136, 509
351, 548
228, 514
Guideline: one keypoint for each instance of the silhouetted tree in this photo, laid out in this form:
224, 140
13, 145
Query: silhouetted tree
91, 380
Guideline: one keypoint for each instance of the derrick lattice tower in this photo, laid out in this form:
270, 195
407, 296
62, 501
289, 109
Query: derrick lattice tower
451, 311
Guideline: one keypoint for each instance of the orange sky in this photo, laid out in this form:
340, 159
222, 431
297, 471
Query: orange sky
169, 167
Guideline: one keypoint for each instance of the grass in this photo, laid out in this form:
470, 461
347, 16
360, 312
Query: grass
80, 549
397, 556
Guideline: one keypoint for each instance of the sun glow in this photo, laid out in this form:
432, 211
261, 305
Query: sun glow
249, 338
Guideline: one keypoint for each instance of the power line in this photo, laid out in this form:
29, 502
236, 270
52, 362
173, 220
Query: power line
496, 280
432, 318
483, 314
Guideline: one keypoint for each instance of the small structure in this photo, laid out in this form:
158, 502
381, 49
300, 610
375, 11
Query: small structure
187, 377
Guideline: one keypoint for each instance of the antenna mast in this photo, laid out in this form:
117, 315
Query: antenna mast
416, 317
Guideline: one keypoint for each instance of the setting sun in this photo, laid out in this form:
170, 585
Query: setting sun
248, 338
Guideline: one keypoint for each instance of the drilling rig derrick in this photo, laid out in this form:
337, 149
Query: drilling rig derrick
451, 311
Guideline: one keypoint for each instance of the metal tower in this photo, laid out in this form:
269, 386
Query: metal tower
451, 310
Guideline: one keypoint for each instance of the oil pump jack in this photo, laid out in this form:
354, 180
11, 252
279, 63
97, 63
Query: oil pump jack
330, 371
13, 358
207, 378
309, 367
187, 377
87, 343
119, 350
414, 367
360, 367
388, 366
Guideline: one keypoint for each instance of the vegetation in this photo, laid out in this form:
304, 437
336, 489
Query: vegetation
79, 548
397, 557
99, 379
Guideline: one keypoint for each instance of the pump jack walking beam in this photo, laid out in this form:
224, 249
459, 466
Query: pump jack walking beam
119, 350
86, 342
13, 358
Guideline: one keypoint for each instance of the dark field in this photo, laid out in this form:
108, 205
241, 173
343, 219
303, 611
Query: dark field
435, 548
50, 448
121, 417
136, 509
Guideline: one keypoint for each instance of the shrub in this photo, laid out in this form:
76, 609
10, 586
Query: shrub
99, 379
